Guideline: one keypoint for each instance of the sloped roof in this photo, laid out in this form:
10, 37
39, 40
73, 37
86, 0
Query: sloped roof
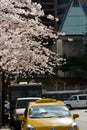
75, 20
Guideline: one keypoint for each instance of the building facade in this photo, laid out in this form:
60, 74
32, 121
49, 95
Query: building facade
57, 8
73, 42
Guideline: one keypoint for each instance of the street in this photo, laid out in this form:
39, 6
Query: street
5, 128
82, 120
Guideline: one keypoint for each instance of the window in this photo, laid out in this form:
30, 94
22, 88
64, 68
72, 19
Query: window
75, 3
82, 97
61, 11
63, 1
73, 98
48, 111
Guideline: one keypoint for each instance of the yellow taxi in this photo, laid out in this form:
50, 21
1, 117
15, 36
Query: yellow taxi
48, 114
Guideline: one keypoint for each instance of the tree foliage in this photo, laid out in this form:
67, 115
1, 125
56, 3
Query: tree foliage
23, 38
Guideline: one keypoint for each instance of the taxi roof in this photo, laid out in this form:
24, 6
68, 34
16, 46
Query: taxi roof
46, 101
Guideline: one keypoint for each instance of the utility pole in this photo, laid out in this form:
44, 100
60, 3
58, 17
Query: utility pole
0, 99
3, 97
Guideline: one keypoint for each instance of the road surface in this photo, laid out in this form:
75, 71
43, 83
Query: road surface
82, 120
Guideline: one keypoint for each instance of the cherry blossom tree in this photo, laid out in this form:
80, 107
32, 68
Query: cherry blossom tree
24, 39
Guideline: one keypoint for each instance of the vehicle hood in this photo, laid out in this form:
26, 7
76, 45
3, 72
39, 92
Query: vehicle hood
51, 122
20, 111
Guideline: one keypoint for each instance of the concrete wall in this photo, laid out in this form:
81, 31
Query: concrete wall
70, 45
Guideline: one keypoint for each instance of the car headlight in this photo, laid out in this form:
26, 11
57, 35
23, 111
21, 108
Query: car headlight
74, 126
29, 127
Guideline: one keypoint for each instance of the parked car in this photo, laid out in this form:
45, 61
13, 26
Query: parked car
48, 114
21, 104
77, 101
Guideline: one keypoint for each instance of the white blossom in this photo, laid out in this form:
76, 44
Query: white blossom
22, 35
70, 39
50, 17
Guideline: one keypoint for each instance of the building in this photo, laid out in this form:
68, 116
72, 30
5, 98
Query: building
74, 25
84, 5
64, 5
57, 8
74, 34
73, 43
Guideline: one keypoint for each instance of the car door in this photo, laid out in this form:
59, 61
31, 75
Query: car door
82, 101
74, 101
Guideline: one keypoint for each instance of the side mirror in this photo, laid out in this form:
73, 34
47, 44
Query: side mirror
21, 118
75, 116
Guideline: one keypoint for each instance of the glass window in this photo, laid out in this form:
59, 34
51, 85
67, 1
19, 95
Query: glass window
23, 103
63, 1
75, 3
34, 93
74, 98
82, 97
48, 111
61, 11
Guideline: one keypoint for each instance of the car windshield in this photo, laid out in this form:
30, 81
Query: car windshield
23, 103
48, 111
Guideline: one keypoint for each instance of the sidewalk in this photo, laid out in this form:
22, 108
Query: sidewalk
5, 128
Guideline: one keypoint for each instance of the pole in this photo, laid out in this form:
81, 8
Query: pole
0, 100
3, 97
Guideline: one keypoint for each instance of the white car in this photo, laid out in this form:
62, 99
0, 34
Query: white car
21, 104
77, 101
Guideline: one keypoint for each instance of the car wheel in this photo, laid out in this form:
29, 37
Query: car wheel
12, 128
69, 106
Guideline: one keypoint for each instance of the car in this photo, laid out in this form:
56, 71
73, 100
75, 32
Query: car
77, 101
48, 114
21, 105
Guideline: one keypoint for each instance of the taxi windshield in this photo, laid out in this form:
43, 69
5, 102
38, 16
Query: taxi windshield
48, 111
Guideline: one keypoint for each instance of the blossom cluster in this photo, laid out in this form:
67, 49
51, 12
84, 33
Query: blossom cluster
21, 38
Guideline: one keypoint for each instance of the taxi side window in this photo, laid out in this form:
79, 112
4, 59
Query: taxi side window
73, 98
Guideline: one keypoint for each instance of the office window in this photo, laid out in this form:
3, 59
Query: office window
63, 1
61, 11
46, 1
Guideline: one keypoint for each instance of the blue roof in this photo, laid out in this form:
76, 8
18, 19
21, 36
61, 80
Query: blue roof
75, 21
